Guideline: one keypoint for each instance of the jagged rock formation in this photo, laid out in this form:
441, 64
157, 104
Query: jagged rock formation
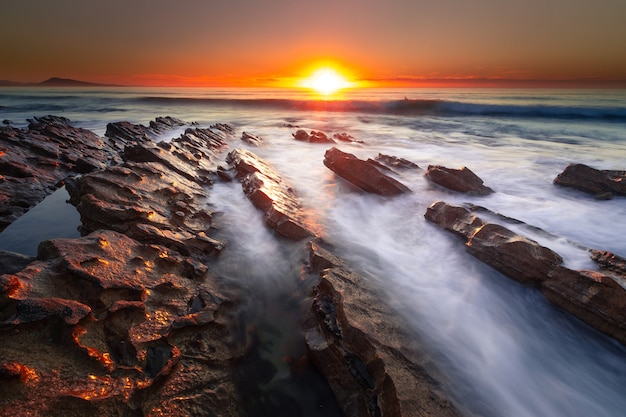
105, 325
271, 194
363, 174
34, 161
602, 184
462, 180
396, 162
121, 134
364, 349
313, 137
596, 297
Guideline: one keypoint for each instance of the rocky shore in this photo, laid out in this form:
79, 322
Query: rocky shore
133, 319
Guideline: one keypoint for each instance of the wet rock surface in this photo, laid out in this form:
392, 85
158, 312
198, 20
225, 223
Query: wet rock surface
362, 347
127, 320
271, 194
596, 297
362, 174
603, 184
34, 161
106, 325
462, 180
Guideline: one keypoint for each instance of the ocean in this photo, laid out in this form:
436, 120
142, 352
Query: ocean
501, 348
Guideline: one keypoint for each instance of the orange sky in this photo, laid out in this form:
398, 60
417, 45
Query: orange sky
275, 42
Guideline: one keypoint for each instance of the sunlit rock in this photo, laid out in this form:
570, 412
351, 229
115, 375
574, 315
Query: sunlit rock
271, 194
462, 180
603, 184
154, 197
364, 349
362, 174
107, 325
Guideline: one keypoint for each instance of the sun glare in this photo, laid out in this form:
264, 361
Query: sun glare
326, 81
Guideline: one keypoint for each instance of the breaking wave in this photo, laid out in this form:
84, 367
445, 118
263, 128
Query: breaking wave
407, 107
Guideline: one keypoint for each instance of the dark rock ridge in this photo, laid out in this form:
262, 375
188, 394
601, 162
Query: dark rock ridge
35, 161
251, 139
363, 174
156, 195
602, 184
373, 369
462, 180
396, 162
121, 134
313, 137
596, 297
271, 194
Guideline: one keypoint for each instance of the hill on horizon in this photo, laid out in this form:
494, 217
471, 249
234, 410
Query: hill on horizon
54, 82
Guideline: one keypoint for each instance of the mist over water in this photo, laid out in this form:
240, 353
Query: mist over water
503, 349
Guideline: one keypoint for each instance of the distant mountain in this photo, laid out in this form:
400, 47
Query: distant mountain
6, 83
67, 82
54, 82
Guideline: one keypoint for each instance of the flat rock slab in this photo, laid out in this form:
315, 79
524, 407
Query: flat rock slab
596, 297
270, 193
462, 180
603, 184
364, 350
362, 174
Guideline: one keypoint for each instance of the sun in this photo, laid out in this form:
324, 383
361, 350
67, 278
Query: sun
326, 81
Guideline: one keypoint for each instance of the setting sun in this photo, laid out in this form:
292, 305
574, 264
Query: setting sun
326, 81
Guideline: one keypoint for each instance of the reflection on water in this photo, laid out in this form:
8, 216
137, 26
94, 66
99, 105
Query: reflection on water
50, 219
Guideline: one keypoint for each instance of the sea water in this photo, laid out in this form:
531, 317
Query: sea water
502, 349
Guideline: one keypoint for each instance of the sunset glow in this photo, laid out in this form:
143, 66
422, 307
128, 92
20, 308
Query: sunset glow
326, 81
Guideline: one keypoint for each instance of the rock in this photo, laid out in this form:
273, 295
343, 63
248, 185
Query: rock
597, 298
603, 184
251, 139
270, 193
609, 261
143, 200
362, 174
104, 324
458, 220
122, 134
515, 256
461, 180
36, 160
11, 262
344, 137
364, 350
313, 137
395, 162
593, 297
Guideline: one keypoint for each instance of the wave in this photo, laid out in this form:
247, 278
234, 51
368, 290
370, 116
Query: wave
407, 107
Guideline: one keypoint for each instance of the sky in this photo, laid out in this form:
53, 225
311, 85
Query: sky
275, 42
